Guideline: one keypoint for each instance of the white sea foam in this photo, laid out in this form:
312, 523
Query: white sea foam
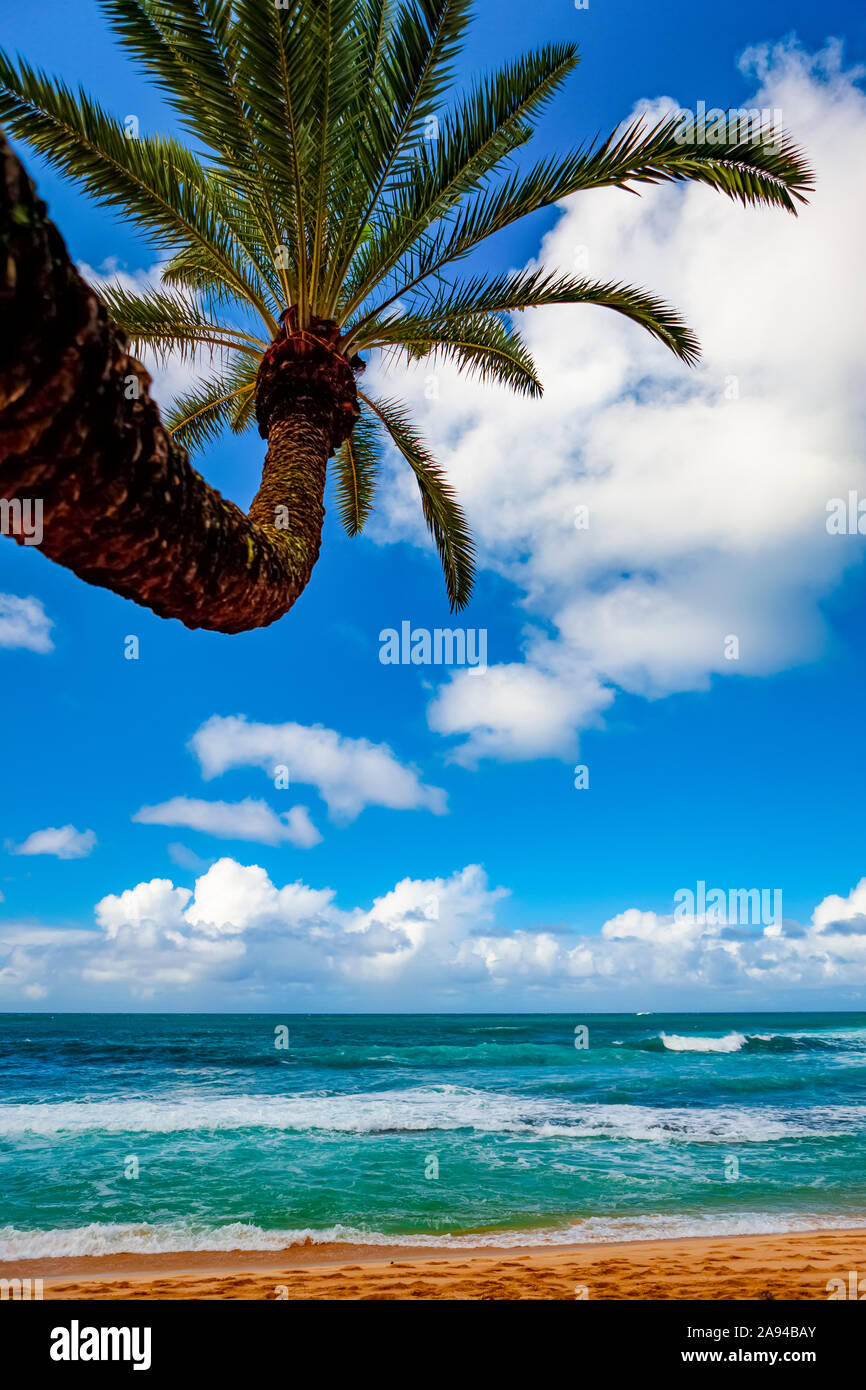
731, 1042
142, 1238
431, 1108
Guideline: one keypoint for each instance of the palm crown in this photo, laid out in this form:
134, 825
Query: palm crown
327, 182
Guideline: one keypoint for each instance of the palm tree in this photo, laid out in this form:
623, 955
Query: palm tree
315, 218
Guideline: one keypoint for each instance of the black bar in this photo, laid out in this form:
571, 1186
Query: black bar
641, 1338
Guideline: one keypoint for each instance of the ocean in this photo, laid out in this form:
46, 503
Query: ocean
159, 1132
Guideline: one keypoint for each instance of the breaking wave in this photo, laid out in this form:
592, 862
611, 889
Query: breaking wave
178, 1237
434, 1108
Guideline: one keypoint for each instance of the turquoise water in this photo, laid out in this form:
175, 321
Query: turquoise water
166, 1132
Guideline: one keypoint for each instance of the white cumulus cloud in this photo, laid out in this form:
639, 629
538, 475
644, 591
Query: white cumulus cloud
65, 842
24, 623
240, 940
235, 820
705, 491
349, 773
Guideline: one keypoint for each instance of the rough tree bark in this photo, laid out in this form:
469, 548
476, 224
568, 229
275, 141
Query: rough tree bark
122, 506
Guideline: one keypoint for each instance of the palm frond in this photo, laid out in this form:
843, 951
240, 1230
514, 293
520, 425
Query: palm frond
375, 20
488, 125
339, 53
527, 290
243, 412
194, 270
442, 512
192, 48
418, 69
486, 346
166, 321
764, 166
755, 171
199, 417
279, 73
155, 180
181, 47
414, 73
356, 467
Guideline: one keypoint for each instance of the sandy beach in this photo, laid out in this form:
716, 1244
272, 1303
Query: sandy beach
796, 1267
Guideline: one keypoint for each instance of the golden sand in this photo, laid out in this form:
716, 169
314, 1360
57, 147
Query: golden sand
707, 1268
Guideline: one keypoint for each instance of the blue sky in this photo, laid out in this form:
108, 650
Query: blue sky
738, 773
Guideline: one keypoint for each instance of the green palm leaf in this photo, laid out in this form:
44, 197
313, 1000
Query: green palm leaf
489, 124
487, 346
751, 171
192, 48
528, 290
155, 180
356, 466
442, 512
165, 322
199, 417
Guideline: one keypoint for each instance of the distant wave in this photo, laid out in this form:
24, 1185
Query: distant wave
731, 1042
424, 1109
854, 1044
176, 1237
491, 1046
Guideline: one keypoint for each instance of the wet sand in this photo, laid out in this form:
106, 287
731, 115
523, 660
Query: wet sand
706, 1268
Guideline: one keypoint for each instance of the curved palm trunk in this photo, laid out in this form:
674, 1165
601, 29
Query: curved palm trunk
122, 506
